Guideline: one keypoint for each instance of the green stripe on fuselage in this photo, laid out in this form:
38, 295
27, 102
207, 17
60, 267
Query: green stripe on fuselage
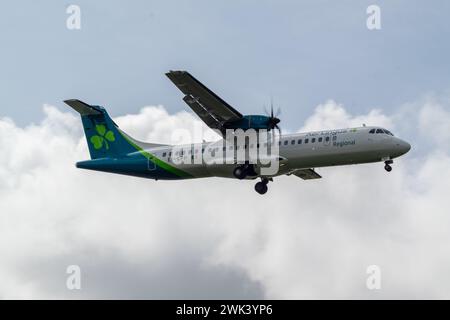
156, 161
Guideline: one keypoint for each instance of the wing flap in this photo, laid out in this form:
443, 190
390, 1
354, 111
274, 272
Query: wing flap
213, 110
207, 117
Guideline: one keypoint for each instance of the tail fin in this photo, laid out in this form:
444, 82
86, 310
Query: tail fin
104, 138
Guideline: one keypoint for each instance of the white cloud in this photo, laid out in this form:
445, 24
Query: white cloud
140, 238
156, 125
332, 115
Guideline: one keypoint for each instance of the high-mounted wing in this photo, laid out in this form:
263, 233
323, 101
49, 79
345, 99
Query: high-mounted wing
307, 174
206, 104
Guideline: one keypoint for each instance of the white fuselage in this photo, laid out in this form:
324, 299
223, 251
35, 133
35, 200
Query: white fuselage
297, 151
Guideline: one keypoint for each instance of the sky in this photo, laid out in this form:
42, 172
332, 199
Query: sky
135, 238
301, 53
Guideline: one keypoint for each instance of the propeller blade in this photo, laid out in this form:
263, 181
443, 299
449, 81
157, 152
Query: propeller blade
279, 130
278, 113
273, 118
266, 112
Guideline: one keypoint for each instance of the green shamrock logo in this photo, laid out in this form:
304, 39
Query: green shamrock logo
103, 137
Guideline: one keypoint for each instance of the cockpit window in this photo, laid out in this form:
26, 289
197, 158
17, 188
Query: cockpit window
379, 130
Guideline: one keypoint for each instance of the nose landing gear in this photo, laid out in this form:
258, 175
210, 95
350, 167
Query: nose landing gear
387, 165
261, 187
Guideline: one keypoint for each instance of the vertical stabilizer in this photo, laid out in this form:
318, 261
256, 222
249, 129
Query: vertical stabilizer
104, 138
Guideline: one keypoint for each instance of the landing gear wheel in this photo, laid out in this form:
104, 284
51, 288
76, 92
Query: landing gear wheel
261, 187
240, 173
387, 166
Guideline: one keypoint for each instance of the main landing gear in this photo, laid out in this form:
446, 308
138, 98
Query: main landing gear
248, 170
261, 187
387, 165
244, 171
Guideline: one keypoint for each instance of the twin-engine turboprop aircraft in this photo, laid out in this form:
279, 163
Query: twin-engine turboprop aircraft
250, 157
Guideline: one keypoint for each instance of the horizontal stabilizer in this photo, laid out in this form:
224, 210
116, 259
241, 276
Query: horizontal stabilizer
307, 174
83, 108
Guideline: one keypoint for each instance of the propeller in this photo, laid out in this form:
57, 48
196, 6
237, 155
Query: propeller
273, 119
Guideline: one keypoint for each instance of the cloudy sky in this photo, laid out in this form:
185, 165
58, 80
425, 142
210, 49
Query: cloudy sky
134, 238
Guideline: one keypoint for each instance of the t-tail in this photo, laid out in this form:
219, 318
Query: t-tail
104, 138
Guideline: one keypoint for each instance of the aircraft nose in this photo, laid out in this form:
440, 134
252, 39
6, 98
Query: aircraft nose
407, 146
403, 146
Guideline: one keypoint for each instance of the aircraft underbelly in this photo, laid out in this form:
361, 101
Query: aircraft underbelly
196, 170
338, 158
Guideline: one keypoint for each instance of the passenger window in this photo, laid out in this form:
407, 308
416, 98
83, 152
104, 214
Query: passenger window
285, 142
313, 140
334, 138
372, 131
299, 141
327, 139
293, 142
306, 140
164, 154
379, 131
320, 139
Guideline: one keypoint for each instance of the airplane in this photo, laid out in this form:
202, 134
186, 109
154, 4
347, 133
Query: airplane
299, 154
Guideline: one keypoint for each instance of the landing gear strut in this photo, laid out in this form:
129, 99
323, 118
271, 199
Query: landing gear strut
261, 187
387, 165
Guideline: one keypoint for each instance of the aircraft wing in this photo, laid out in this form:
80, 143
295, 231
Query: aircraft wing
206, 104
307, 174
